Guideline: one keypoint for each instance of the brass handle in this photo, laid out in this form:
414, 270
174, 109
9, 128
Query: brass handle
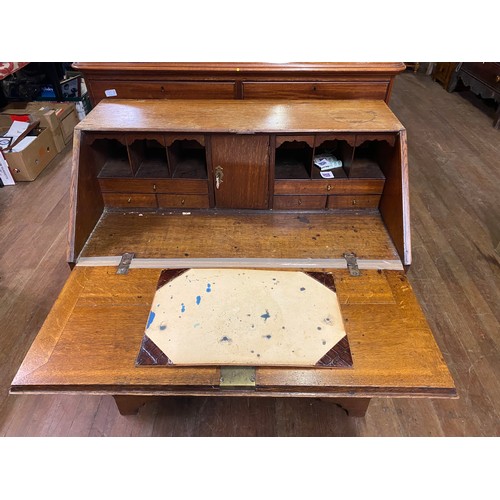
154, 187
129, 200
354, 202
219, 175
300, 201
328, 188
497, 79
183, 201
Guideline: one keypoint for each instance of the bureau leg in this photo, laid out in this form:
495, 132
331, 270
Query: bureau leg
129, 405
354, 407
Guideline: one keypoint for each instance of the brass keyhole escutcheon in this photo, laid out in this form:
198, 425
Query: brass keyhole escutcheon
219, 175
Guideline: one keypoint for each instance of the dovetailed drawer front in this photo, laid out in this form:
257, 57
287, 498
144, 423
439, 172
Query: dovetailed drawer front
318, 90
131, 200
183, 201
174, 186
356, 201
335, 186
299, 202
164, 90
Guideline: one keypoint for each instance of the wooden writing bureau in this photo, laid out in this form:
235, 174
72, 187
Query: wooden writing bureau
231, 184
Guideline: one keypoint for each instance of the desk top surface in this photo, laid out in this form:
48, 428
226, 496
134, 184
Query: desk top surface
241, 116
91, 338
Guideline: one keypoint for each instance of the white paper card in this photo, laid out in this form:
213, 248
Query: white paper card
23, 143
5, 174
326, 175
16, 129
110, 93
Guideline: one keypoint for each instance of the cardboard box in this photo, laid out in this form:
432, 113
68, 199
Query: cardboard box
59, 117
27, 164
68, 124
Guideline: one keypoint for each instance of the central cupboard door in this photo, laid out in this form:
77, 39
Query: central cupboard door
241, 171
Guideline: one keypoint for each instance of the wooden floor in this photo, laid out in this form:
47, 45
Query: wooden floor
454, 156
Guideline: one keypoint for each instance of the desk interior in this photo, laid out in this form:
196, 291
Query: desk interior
250, 234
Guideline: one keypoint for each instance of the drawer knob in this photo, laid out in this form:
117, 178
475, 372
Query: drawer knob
183, 201
328, 188
129, 200
300, 201
154, 187
497, 79
354, 202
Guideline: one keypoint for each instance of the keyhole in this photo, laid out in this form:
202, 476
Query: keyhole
219, 174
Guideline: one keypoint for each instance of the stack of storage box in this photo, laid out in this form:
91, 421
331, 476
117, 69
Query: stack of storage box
56, 124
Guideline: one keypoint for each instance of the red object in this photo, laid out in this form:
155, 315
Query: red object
20, 118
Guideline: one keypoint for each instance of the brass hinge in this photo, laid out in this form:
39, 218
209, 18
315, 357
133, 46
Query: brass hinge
237, 377
352, 263
125, 263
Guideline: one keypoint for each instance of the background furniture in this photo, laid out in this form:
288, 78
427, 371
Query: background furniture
482, 78
442, 72
413, 65
239, 80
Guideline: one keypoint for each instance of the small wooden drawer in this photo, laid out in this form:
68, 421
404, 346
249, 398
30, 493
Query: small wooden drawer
358, 186
173, 186
318, 90
183, 201
334, 186
299, 202
164, 90
356, 201
124, 200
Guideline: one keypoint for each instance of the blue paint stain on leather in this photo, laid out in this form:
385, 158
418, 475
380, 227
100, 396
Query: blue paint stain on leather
163, 327
266, 316
198, 300
150, 319
209, 287
183, 308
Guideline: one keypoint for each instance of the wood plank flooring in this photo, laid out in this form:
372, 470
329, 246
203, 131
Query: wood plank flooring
454, 157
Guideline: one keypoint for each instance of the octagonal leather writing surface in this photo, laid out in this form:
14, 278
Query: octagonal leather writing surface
244, 317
